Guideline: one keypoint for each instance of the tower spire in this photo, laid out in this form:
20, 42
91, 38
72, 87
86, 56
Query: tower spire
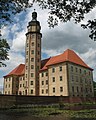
34, 16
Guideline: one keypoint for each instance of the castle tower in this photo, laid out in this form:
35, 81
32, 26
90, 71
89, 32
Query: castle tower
33, 56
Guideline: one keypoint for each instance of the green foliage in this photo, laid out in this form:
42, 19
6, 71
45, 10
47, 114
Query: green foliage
11, 7
59, 10
4, 48
92, 26
47, 112
65, 10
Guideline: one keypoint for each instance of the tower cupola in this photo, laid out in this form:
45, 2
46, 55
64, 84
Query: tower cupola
34, 16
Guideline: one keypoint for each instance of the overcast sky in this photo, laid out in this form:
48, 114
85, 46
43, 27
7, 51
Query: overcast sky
54, 41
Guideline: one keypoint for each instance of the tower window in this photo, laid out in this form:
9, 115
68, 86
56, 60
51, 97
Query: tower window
32, 43
32, 59
38, 60
38, 45
37, 67
32, 75
27, 37
27, 45
38, 36
33, 35
31, 82
26, 52
32, 66
27, 60
32, 51
26, 67
26, 75
38, 52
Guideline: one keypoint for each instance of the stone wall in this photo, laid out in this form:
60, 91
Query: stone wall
11, 100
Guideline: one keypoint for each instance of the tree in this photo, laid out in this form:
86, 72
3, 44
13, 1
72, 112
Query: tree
11, 7
7, 9
63, 10
4, 48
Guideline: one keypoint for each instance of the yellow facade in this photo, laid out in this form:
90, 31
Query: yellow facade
21, 90
44, 83
8, 85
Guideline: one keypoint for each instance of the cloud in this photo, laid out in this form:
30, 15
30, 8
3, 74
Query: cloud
18, 43
15, 58
1, 83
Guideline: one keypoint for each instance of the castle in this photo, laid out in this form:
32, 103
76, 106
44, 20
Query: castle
62, 75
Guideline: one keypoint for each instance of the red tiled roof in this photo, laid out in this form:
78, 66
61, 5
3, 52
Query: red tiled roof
68, 55
19, 70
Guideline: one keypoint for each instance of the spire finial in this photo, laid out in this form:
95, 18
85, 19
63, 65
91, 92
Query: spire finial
34, 16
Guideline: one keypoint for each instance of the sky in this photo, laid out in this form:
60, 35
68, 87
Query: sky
54, 41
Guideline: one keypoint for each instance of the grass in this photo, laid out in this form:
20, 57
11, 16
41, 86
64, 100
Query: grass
51, 110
